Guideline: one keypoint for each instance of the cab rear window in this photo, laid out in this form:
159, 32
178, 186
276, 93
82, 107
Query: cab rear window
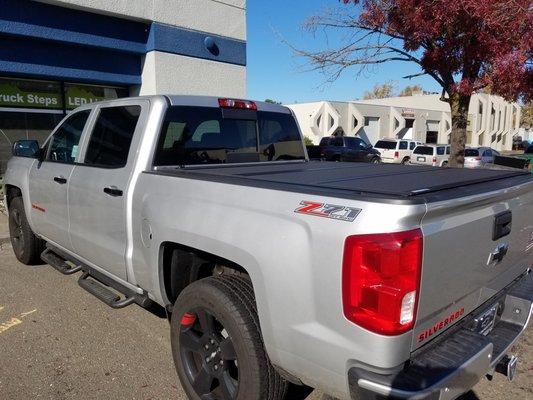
202, 135
426, 150
471, 153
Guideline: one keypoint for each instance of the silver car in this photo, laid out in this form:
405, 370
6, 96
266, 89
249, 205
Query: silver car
477, 157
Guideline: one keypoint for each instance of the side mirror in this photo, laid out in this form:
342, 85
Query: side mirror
26, 148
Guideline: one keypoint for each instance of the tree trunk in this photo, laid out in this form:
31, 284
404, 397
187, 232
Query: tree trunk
459, 105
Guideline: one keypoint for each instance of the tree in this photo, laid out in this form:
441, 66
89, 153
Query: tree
380, 91
463, 45
308, 141
411, 90
272, 101
526, 119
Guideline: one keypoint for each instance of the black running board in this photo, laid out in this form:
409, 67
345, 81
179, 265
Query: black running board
59, 263
103, 293
104, 288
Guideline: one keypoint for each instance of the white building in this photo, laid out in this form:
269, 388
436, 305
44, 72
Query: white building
492, 121
58, 54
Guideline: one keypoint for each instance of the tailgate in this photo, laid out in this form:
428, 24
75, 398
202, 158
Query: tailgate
463, 266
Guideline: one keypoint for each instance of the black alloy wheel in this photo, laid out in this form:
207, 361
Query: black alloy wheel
208, 356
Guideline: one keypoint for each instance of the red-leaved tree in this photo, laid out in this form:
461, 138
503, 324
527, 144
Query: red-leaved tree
464, 45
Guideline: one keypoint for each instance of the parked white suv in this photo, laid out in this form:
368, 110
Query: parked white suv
436, 155
396, 151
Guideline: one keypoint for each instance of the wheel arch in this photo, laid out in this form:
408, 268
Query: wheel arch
12, 191
182, 265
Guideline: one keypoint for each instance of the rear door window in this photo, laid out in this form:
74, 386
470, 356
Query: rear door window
403, 145
471, 153
111, 137
63, 146
337, 142
441, 150
412, 145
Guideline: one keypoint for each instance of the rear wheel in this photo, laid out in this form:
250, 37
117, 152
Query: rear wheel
375, 160
405, 161
217, 345
444, 164
26, 246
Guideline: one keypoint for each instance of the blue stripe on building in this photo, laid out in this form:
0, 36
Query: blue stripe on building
42, 40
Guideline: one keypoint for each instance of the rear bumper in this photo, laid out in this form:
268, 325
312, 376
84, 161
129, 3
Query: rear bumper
451, 365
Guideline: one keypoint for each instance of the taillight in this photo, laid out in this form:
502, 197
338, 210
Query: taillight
396, 154
381, 280
240, 104
434, 161
478, 158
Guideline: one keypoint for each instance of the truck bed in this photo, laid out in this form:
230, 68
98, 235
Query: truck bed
382, 182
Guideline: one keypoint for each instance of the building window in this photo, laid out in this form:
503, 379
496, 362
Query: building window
30, 109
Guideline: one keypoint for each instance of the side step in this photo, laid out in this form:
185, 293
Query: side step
58, 262
103, 293
103, 287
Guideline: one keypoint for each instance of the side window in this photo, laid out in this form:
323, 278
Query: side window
361, 144
403, 145
412, 145
111, 137
64, 144
448, 150
337, 142
440, 151
487, 153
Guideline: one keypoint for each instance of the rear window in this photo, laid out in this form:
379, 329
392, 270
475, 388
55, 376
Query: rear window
471, 153
385, 144
200, 135
426, 150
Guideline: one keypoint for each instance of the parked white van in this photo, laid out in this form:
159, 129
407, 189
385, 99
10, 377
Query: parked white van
436, 155
396, 151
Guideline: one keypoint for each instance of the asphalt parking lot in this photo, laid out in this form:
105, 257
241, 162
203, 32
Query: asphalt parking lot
59, 342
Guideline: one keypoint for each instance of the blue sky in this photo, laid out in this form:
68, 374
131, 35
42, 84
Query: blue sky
274, 72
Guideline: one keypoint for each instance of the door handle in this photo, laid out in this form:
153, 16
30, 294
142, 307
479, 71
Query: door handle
60, 180
113, 191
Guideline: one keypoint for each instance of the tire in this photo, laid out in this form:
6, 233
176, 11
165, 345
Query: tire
375, 160
405, 161
444, 164
26, 246
215, 324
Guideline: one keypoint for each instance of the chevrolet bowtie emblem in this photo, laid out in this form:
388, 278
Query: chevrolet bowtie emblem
498, 254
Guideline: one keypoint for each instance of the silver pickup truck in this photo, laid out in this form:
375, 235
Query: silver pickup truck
279, 274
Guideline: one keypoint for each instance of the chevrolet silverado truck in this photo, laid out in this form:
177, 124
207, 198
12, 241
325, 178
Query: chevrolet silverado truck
279, 274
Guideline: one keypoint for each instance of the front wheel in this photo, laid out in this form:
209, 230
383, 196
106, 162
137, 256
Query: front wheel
217, 345
26, 245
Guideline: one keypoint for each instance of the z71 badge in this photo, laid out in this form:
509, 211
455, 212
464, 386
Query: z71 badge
332, 211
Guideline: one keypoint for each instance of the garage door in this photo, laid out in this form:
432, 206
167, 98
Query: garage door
370, 132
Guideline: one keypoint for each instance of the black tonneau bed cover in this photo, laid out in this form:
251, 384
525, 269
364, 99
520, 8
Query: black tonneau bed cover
412, 184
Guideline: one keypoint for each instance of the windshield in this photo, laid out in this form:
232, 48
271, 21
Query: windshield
423, 150
201, 135
385, 144
471, 153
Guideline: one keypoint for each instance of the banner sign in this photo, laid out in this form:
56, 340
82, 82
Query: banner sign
13, 94
18, 93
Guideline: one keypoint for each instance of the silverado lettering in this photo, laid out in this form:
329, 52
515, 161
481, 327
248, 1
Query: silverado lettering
440, 325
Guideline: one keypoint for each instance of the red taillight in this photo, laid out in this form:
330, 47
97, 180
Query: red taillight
434, 161
381, 279
240, 104
396, 154
478, 158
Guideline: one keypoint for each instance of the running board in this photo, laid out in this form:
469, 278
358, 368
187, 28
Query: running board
103, 293
103, 287
58, 262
